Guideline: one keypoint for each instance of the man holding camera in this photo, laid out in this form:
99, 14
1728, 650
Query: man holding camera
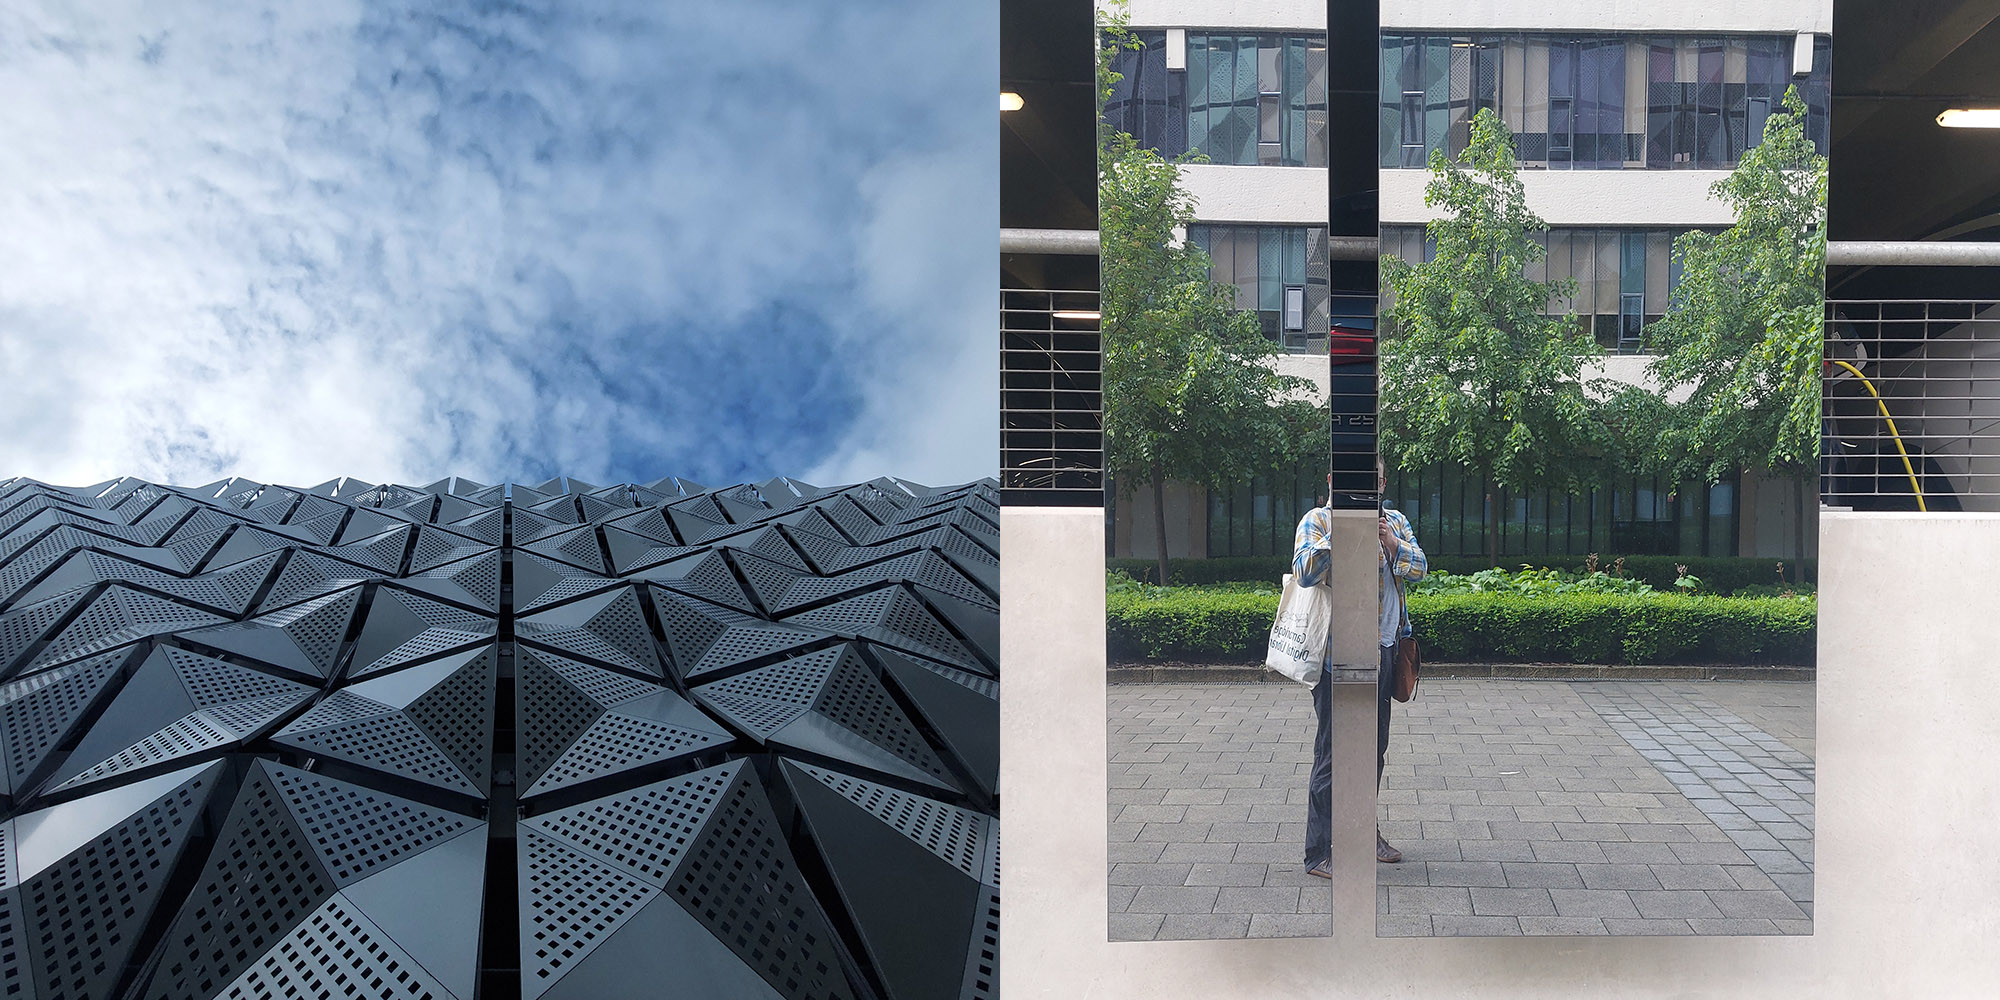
1399, 559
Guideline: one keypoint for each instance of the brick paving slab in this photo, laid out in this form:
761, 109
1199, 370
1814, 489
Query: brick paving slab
1521, 806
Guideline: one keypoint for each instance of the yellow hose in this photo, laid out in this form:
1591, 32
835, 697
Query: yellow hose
1898, 438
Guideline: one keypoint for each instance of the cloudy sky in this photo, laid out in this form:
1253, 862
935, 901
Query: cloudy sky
505, 241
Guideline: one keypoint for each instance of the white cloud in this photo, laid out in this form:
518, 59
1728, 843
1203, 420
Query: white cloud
719, 241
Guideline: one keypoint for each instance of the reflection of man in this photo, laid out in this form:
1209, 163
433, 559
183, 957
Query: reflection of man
1399, 558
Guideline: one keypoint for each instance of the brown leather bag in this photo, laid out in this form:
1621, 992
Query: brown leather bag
1409, 662
1409, 659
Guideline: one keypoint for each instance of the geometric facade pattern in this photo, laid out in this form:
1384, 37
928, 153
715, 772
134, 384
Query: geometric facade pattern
460, 740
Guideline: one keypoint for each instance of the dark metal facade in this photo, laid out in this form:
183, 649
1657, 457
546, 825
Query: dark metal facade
466, 741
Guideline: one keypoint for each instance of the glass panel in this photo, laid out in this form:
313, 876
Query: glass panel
1245, 278
1437, 91
1513, 72
1659, 246
1660, 94
1270, 267
1459, 86
1268, 75
1722, 519
1608, 245
1632, 269
1558, 265
1636, 91
1535, 96
1583, 262
1293, 271
1610, 103
1218, 525
1390, 133
1315, 114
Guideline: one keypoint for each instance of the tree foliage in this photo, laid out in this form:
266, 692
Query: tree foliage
1190, 391
1473, 370
1742, 331
1189, 388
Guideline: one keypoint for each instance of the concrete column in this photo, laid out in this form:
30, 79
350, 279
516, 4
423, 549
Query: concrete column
1357, 616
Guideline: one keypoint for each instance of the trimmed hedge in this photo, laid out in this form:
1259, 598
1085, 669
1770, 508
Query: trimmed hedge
1568, 628
1719, 574
1191, 625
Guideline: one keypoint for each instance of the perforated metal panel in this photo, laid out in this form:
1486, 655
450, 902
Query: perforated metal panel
570, 904
740, 881
352, 747
357, 832
84, 914
336, 953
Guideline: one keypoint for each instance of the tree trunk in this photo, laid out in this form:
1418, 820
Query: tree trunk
1799, 531
1160, 517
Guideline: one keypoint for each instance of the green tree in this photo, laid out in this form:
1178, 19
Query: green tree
1190, 393
1742, 331
1473, 371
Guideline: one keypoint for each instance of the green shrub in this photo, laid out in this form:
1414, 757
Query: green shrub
1190, 625
1718, 574
1220, 624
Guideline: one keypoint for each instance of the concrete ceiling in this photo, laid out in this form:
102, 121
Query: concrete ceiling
1894, 174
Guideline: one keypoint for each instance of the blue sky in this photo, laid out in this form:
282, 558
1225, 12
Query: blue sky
614, 241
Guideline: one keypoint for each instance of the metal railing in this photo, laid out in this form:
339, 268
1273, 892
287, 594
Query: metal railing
1051, 398
1932, 440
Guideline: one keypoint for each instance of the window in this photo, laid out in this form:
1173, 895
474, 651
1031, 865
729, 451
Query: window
1601, 102
1280, 273
1623, 276
1244, 99
1448, 508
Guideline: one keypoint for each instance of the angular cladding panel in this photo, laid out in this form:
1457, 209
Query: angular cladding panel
803, 679
294, 841
580, 723
706, 843
304, 638
177, 705
908, 869
403, 627
430, 723
94, 870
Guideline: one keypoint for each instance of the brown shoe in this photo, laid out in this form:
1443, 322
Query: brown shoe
1384, 853
1321, 870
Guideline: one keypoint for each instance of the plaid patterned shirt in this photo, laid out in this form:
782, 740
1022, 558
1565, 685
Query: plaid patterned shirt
1312, 553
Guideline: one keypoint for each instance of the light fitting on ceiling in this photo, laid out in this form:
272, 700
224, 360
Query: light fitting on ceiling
1010, 101
1081, 314
1970, 118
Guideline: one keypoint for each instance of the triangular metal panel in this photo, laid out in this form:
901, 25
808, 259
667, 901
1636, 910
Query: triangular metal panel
430, 904
92, 902
912, 909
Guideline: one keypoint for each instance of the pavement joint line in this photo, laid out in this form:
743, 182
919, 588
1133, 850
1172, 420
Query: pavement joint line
1464, 758
1734, 804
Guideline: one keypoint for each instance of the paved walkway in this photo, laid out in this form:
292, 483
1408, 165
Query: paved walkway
1521, 806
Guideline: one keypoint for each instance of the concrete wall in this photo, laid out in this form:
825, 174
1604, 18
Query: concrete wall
1187, 524
1289, 196
1908, 881
1582, 197
1261, 15
1706, 16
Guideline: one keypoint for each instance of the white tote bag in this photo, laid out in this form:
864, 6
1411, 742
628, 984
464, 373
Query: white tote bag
1299, 636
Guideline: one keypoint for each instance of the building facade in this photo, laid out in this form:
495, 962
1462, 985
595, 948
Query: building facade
1623, 119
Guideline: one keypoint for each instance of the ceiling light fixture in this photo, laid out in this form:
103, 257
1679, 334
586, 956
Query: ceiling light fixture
1010, 101
1078, 314
1970, 118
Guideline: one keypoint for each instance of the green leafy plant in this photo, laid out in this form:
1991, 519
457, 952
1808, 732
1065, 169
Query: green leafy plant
1474, 372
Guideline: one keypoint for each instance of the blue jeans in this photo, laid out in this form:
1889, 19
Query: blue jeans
1319, 788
